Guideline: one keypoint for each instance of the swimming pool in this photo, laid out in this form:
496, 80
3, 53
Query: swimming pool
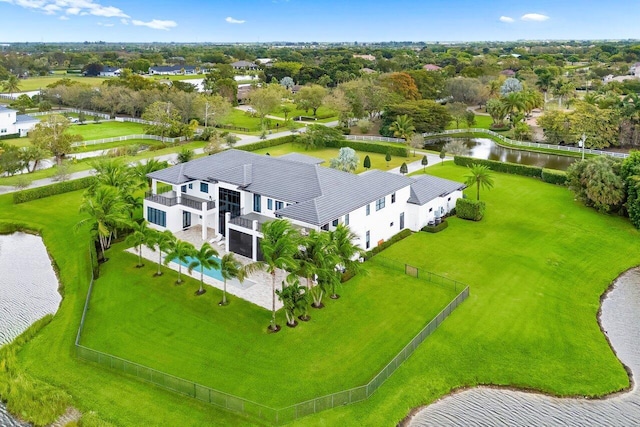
214, 273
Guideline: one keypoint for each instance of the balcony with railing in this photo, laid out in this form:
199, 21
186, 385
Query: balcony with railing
246, 221
171, 198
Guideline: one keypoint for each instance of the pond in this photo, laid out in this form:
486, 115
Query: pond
485, 148
620, 319
28, 290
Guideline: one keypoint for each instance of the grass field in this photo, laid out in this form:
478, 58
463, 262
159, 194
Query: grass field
35, 83
377, 160
91, 131
482, 122
537, 265
324, 114
241, 119
157, 324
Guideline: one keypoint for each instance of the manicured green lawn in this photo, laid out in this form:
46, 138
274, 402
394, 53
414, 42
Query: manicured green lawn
110, 145
483, 122
241, 119
323, 114
377, 160
537, 265
91, 131
35, 83
153, 322
178, 77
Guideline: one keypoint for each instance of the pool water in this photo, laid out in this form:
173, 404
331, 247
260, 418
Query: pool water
214, 273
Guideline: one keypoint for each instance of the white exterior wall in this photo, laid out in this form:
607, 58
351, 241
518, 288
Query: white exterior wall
8, 123
421, 215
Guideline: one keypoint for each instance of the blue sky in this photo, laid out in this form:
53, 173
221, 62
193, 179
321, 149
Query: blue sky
315, 20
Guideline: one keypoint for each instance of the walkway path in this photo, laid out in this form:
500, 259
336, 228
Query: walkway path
482, 406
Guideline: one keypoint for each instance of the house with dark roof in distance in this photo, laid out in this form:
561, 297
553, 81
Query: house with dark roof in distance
174, 70
110, 72
12, 123
244, 65
234, 192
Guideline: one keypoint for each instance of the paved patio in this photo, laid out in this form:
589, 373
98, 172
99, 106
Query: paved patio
255, 289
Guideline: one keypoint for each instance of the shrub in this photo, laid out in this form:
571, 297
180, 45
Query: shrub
470, 209
10, 136
51, 190
553, 176
435, 228
370, 147
268, 143
497, 166
394, 239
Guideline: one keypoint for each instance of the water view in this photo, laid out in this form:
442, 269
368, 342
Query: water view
485, 148
28, 291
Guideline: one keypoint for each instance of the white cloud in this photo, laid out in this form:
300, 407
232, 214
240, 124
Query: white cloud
64, 18
534, 17
231, 20
156, 24
507, 19
89, 8
106, 24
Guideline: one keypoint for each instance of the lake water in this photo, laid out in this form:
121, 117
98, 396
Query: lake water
484, 406
28, 290
485, 148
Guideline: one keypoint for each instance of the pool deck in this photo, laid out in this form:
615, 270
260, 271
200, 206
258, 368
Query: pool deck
255, 289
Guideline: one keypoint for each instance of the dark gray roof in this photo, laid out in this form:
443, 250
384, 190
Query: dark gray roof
427, 187
317, 194
7, 110
302, 158
243, 64
23, 118
110, 69
169, 68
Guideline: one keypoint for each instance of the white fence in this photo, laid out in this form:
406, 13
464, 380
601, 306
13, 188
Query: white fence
527, 143
71, 110
133, 120
128, 138
372, 138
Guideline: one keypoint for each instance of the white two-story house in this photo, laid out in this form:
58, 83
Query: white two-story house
12, 123
234, 192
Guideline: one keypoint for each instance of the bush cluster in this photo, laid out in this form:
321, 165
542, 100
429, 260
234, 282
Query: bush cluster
470, 209
52, 190
268, 143
394, 239
505, 167
394, 150
10, 136
435, 228
553, 176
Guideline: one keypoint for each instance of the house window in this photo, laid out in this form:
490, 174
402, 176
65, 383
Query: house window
204, 187
257, 201
367, 240
449, 199
380, 203
346, 219
325, 227
402, 221
335, 223
3, 131
270, 204
279, 205
183, 188
191, 186
430, 209
393, 198
368, 209
156, 216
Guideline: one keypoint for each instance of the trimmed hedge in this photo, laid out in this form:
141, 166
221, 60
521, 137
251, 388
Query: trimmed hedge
394, 239
512, 168
470, 209
268, 143
553, 176
52, 190
371, 147
435, 228
10, 136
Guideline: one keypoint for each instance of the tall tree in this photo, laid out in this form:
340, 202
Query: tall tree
230, 268
266, 99
162, 242
480, 176
140, 234
342, 245
204, 258
51, 135
11, 85
180, 252
311, 98
279, 245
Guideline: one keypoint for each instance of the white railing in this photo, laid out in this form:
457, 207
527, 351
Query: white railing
128, 138
372, 138
71, 110
527, 143
133, 120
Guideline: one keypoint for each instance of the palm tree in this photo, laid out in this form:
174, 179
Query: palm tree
117, 174
139, 236
313, 256
180, 252
231, 268
279, 245
342, 244
294, 299
12, 84
403, 127
513, 101
162, 242
107, 211
141, 170
480, 175
545, 82
204, 258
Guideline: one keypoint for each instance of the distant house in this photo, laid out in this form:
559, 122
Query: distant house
365, 57
12, 123
431, 67
635, 69
267, 62
243, 93
366, 70
244, 65
508, 73
174, 70
110, 72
